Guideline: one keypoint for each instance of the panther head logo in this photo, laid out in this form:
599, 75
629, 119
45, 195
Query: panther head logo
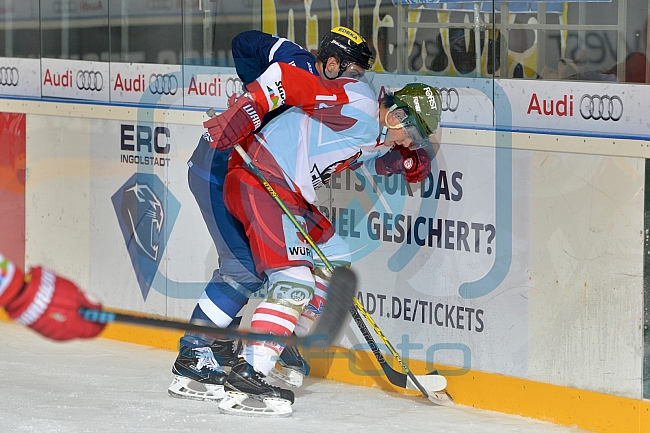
143, 214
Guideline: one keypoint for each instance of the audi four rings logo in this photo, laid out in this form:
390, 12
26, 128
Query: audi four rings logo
449, 97
234, 86
8, 76
90, 80
163, 84
601, 107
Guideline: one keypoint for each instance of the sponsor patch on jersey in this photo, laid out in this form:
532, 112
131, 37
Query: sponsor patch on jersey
276, 95
297, 246
273, 97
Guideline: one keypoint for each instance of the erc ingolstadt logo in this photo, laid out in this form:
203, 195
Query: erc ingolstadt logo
146, 211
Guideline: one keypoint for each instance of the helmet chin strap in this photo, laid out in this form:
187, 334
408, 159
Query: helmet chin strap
382, 136
331, 78
340, 71
384, 129
343, 66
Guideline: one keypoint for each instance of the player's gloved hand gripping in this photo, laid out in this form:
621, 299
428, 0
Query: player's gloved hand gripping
415, 164
237, 122
46, 303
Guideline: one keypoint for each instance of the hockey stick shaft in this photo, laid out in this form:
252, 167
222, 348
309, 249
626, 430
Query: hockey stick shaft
358, 307
325, 331
106, 317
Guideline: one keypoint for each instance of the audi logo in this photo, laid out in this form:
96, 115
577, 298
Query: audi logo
449, 97
234, 86
8, 76
90, 80
163, 84
601, 107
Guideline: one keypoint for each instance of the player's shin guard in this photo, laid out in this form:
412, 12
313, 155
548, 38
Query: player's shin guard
290, 289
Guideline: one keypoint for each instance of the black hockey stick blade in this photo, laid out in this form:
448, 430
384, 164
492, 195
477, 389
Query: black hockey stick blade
397, 378
343, 287
342, 290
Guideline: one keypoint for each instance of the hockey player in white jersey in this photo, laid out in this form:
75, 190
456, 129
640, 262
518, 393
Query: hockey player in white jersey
332, 126
199, 368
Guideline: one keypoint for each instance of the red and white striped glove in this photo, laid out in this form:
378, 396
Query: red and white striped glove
47, 303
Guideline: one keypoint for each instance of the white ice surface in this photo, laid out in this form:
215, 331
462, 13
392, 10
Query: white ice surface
109, 386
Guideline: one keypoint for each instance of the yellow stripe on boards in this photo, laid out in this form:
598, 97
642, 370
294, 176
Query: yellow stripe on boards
557, 404
146, 336
587, 410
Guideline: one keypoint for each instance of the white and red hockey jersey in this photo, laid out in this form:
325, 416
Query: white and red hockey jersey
333, 123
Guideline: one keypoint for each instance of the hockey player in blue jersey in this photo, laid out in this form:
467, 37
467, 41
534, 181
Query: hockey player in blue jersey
237, 278
298, 153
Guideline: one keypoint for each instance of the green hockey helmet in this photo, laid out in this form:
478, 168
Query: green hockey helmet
422, 107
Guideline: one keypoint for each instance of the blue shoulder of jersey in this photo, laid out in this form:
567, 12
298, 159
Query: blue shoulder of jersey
254, 51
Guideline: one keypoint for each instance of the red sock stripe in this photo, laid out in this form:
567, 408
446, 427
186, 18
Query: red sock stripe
264, 327
285, 316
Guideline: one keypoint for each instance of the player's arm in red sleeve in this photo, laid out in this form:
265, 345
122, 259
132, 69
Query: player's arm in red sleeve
46, 302
281, 84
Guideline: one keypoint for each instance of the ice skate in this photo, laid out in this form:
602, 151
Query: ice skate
198, 376
226, 352
247, 393
291, 367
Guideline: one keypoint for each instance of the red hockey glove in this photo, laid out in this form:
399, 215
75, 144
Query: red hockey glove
234, 124
415, 165
48, 304
389, 163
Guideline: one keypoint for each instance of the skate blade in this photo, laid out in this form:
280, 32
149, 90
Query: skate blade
431, 382
233, 404
184, 387
290, 377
